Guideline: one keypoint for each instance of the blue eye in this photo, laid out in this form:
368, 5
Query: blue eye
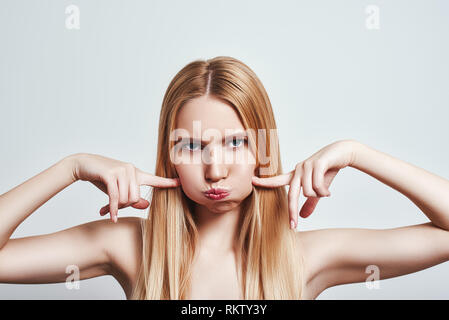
190, 146
237, 142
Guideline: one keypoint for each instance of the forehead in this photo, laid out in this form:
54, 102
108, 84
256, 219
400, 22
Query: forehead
213, 113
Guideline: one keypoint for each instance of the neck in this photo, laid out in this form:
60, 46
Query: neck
217, 231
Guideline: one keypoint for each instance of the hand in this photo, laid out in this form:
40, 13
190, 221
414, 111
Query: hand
119, 180
314, 175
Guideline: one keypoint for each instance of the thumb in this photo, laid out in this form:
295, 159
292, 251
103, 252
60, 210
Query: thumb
142, 204
308, 207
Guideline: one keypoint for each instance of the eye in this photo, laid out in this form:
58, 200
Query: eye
237, 142
191, 146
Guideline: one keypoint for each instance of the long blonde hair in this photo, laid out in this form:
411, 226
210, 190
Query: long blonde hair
270, 261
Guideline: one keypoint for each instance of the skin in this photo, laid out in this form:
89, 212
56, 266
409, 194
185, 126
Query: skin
333, 256
217, 220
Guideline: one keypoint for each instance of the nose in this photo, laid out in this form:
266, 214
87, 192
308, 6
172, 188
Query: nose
215, 168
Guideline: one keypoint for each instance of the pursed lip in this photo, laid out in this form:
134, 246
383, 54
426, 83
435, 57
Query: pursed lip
216, 191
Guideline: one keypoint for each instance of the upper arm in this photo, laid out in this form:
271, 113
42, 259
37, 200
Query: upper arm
92, 247
340, 256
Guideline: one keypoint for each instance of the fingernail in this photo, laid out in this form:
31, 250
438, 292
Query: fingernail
292, 224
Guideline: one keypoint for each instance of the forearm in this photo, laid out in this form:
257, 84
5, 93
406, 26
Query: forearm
426, 190
20, 202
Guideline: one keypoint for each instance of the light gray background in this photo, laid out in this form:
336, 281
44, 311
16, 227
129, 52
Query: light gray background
99, 90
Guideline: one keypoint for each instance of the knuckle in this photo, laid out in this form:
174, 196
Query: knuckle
320, 162
308, 164
113, 196
111, 174
129, 166
121, 170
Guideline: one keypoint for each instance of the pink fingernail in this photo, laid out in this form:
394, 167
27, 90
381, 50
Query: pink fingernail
292, 224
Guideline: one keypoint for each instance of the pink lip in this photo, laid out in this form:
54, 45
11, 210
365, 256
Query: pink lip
216, 190
216, 193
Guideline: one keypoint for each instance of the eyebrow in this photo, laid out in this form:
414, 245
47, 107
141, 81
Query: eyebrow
240, 134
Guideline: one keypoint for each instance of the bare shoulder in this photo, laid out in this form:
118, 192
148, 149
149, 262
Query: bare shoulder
123, 244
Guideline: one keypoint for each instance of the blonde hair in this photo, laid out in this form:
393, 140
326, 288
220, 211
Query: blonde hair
270, 261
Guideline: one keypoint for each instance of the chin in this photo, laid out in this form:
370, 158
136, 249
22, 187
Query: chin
218, 206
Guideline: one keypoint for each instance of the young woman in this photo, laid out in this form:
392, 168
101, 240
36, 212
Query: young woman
222, 229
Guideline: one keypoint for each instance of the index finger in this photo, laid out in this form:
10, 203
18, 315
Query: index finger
147, 179
273, 182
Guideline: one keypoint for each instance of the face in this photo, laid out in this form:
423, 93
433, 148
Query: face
211, 151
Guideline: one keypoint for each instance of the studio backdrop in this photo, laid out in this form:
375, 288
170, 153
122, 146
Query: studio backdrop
89, 76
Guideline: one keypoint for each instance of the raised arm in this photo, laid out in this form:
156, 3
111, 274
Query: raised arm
20, 202
340, 256
96, 248
426, 190
46, 258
